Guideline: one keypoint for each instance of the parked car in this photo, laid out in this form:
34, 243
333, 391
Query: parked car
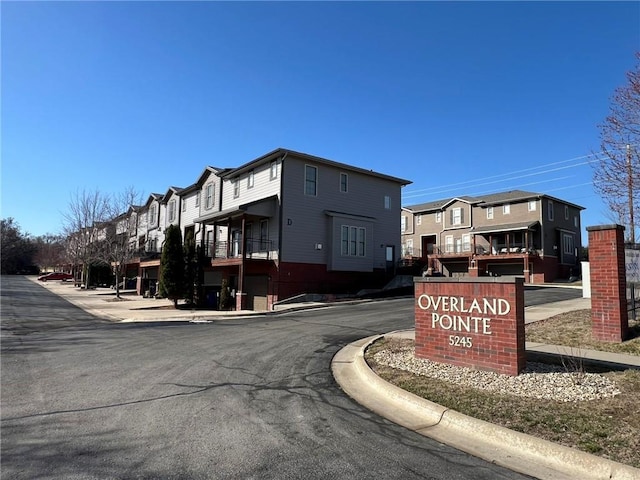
56, 276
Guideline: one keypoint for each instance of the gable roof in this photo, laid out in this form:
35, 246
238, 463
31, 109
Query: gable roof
283, 153
489, 200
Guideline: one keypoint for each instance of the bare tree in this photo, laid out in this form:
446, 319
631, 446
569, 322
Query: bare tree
617, 173
121, 232
50, 251
83, 227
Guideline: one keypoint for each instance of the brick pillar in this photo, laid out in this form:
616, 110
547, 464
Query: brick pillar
609, 316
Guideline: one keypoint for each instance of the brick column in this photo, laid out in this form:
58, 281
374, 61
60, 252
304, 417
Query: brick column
609, 316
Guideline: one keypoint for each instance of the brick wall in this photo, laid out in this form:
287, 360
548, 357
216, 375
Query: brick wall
609, 316
471, 322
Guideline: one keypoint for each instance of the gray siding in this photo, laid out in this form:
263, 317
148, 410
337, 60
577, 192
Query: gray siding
305, 223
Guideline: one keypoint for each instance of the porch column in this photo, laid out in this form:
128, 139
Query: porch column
241, 295
214, 241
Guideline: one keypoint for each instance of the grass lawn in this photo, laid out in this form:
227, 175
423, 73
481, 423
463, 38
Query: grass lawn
609, 427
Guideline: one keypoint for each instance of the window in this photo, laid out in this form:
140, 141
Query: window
236, 188
273, 170
184, 205
419, 220
344, 178
172, 210
361, 242
448, 244
250, 179
490, 213
344, 240
532, 205
353, 241
550, 212
208, 196
310, 180
466, 242
506, 209
403, 223
264, 235
387, 202
566, 212
152, 215
438, 217
408, 248
456, 216
575, 221
567, 244
198, 199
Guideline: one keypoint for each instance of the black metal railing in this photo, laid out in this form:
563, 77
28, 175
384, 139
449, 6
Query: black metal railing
255, 249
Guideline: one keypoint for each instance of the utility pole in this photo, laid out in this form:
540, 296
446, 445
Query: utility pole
632, 224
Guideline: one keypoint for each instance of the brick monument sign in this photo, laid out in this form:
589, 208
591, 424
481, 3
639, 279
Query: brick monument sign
471, 322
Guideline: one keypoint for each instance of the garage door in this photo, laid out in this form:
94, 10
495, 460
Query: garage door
256, 287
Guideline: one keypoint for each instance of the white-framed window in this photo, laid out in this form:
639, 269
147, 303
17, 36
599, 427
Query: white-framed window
408, 247
172, 210
418, 219
506, 209
208, 196
151, 220
566, 212
448, 244
567, 244
456, 216
489, 213
438, 217
184, 204
403, 223
550, 210
236, 188
310, 180
387, 202
466, 242
344, 182
250, 179
532, 205
575, 221
362, 246
198, 199
273, 170
353, 241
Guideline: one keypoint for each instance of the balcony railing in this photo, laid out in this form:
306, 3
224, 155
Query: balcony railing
468, 249
255, 249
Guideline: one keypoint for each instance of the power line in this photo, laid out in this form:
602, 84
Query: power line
509, 175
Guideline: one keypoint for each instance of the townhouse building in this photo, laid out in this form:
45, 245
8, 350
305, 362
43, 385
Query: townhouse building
289, 223
507, 233
283, 224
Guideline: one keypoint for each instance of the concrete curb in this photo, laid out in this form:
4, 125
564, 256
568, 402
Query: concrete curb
514, 450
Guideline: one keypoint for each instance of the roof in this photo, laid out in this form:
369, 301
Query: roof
282, 153
499, 198
508, 227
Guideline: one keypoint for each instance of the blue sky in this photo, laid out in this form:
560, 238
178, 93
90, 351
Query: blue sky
462, 98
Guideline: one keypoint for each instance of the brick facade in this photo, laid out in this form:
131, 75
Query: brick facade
609, 316
476, 323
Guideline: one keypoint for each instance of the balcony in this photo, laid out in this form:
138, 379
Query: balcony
255, 250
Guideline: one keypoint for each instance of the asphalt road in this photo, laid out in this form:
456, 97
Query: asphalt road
245, 398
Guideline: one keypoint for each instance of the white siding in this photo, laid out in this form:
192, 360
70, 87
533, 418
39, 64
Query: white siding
263, 186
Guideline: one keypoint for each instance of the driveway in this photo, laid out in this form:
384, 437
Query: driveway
241, 398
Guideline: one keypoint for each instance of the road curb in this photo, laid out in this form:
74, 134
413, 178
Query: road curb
514, 450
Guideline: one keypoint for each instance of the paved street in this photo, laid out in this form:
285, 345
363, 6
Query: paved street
240, 398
